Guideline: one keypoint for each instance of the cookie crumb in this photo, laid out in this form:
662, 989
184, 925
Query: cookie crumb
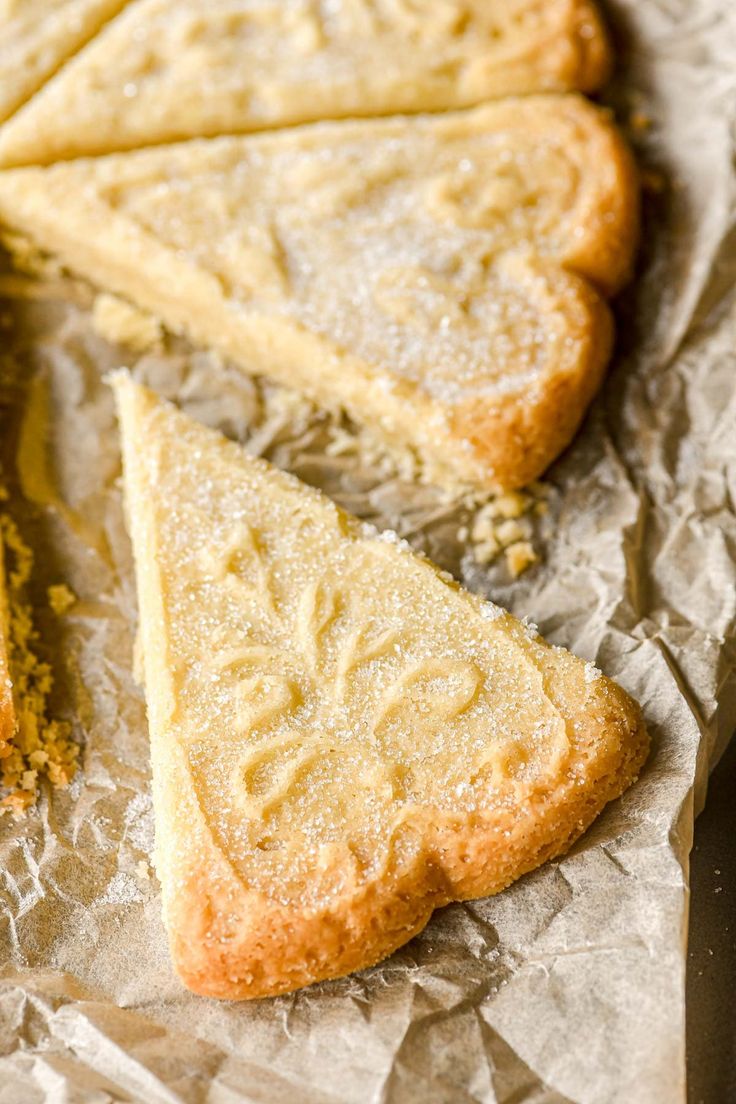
509, 532
60, 598
504, 522
511, 505
486, 551
39, 747
519, 557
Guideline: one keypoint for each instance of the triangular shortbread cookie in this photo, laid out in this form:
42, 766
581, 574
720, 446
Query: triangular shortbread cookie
368, 263
37, 37
172, 69
342, 739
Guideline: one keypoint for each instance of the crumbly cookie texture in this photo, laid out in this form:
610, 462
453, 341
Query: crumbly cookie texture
167, 70
502, 526
61, 598
342, 739
8, 722
32, 746
37, 37
422, 272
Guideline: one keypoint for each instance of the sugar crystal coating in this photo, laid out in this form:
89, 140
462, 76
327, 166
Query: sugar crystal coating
326, 685
422, 272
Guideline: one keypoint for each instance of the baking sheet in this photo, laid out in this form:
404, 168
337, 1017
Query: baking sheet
568, 987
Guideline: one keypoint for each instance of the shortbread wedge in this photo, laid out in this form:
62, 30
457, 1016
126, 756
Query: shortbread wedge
342, 739
410, 269
8, 722
173, 69
38, 36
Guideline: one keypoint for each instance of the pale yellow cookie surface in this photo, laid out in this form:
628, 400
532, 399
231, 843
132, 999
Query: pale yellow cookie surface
38, 36
173, 69
342, 740
411, 269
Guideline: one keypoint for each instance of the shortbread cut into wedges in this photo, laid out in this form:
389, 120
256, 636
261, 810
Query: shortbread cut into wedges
342, 739
165, 70
425, 272
38, 36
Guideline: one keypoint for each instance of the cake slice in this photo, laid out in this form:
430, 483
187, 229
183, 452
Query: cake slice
342, 739
413, 269
173, 69
38, 36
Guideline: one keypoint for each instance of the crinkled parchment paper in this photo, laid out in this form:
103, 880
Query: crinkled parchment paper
570, 985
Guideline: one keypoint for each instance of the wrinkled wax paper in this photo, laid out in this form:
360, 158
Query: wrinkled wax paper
568, 987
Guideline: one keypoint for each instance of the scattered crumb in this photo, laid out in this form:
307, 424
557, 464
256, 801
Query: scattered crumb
519, 557
483, 527
40, 747
503, 522
18, 802
61, 598
28, 780
509, 532
486, 551
486, 523
511, 505
119, 322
